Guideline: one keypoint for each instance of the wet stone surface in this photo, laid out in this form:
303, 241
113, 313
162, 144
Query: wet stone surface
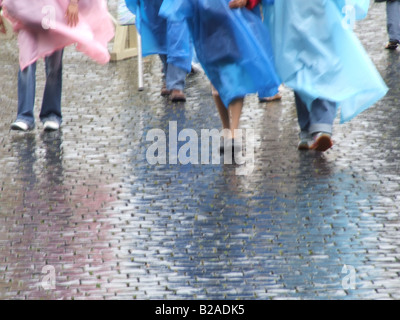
86, 202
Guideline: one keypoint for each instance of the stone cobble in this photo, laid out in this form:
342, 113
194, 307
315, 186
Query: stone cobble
86, 202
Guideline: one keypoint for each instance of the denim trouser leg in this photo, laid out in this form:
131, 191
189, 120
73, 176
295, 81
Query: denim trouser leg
175, 77
26, 94
319, 119
393, 20
51, 106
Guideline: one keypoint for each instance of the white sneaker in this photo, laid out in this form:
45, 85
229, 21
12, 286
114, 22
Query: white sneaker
51, 126
20, 126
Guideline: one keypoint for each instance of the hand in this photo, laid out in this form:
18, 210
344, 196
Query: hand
72, 13
234, 4
2, 26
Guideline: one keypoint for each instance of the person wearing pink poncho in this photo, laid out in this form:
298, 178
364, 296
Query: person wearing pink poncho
45, 28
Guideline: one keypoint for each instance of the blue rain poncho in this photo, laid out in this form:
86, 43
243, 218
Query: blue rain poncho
231, 45
319, 56
160, 36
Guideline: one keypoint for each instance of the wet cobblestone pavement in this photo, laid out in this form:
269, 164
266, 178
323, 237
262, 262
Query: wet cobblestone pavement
86, 202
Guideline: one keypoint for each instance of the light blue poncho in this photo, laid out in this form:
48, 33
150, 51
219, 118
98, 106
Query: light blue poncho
319, 56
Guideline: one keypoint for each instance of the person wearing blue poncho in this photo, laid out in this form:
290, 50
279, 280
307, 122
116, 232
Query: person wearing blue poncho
232, 48
169, 39
321, 59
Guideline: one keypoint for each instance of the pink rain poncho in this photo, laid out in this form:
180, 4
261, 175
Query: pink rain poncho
42, 28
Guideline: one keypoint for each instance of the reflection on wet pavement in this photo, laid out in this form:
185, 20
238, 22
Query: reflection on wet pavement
86, 202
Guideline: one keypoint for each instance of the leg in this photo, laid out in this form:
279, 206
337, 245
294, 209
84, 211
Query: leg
178, 48
26, 97
303, 115
393, 20
316, 124
303, 118
163, 58
224, 116
230, 118
176, 78
164, 90
230, 121
222, 110
323, 113
51, 107
235, 111
322, 116
393, 23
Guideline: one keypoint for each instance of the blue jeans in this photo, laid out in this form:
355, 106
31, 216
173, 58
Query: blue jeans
319, 119
175, 77
393, 20
51, 106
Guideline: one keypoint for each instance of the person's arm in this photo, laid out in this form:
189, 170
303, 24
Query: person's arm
2, 25
72, 13
237, 4
249, 4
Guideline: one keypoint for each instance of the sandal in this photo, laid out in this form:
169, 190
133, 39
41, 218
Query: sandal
276, 97
392, 45
164, 91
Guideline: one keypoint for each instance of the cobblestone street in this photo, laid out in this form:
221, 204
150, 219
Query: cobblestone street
85, 201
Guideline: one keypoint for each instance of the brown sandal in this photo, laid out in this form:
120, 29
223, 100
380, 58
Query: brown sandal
392, 45
164, 91
178, 96
276, 97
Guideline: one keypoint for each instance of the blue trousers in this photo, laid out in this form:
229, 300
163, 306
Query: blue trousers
175, 77
393, 20
319, 119
51, 105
